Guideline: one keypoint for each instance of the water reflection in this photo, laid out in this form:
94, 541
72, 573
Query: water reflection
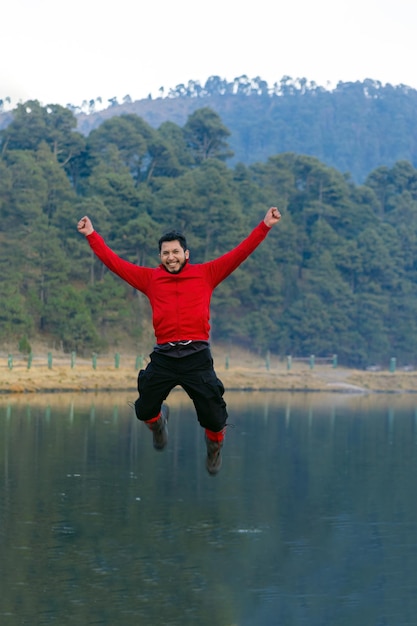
311, 521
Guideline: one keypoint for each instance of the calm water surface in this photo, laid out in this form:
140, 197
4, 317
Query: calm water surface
312, 520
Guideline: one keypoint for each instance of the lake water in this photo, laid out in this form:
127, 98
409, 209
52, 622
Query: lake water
312, 520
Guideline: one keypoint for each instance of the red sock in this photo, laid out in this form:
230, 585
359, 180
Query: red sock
219, 436
153, 419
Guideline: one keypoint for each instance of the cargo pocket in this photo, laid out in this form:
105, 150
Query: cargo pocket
144, 377
213, 385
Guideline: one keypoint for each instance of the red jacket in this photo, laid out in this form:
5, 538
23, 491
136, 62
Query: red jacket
180, 302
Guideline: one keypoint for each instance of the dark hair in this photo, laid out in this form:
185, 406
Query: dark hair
173, 235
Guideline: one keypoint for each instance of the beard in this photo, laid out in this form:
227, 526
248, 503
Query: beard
177, 270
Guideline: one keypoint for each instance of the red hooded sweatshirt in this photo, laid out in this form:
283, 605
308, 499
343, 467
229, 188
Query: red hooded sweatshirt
180, 302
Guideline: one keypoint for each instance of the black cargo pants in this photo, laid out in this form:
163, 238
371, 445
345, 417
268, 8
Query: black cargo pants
195, 374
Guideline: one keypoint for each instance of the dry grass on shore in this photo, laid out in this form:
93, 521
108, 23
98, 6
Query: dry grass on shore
238, 371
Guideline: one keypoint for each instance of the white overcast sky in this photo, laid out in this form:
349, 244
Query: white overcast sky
60, 53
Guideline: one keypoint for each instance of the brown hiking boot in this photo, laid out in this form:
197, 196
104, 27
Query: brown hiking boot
160, 429
214, 456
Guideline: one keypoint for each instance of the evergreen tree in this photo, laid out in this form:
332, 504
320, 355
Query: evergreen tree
206, 136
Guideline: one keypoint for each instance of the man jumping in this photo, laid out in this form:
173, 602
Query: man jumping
179, 293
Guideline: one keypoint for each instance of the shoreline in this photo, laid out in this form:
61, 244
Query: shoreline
245, 373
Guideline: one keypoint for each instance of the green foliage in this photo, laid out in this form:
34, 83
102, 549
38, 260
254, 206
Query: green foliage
67, 318
206, 135
24, 345
14, 316
338, 275
353, 127
142, 150
34, 124
175, 137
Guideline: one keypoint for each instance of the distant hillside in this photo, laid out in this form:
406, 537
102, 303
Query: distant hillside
355, 127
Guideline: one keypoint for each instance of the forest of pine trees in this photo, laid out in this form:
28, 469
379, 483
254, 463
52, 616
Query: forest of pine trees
336, 276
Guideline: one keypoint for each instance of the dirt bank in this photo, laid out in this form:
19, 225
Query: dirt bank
237, 371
